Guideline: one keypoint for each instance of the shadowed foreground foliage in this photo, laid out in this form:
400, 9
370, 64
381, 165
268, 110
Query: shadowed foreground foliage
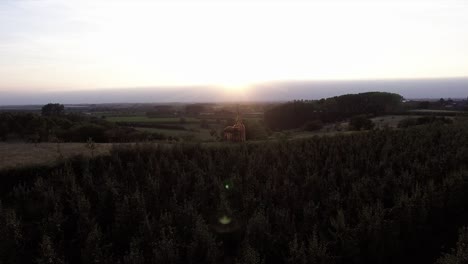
373, 197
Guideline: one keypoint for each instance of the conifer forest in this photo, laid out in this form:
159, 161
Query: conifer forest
380, 196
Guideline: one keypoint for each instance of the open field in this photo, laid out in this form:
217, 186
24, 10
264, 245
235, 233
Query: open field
171, 120
190, 129
145, 119
199, 134
24, 154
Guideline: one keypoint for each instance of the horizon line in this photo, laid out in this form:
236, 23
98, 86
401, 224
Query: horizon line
251, 85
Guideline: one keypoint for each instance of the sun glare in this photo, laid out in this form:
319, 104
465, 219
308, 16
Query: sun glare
227, 44
235, 90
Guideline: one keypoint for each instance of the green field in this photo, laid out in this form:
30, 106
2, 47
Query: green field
193, 130
190, 135
156, 120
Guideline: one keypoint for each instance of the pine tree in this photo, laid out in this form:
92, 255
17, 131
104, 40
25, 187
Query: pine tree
47, 253
92, 251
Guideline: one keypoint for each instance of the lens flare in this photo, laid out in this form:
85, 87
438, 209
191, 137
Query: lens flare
225, 220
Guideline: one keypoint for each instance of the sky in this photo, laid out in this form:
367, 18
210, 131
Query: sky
72, 46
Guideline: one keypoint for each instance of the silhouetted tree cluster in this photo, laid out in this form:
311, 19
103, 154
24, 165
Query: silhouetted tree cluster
441, 104
53, 110
296, 114
68, 128
424, 105
196, 109
378, 197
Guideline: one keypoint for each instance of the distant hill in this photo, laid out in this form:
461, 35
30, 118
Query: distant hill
273, 91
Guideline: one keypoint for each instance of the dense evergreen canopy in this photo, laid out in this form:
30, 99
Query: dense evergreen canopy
297, 113
370, 197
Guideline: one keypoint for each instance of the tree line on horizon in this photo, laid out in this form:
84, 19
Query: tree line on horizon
299, 112
54, 125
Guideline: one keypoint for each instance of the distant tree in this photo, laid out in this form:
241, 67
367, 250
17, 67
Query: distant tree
195, 109
295, 114
53, 109
360, 123
424, 105
5, 120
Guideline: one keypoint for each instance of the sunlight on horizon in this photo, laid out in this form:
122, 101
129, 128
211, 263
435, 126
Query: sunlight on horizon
76, 45
235, 91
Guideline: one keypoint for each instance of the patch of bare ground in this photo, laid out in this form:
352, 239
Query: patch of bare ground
26, 154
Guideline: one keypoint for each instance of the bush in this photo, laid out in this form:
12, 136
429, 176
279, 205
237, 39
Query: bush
358, 123
459, 255
255, 130
409, 122
81, 133
313, 125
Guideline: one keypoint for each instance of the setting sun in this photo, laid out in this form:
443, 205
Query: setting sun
234, 91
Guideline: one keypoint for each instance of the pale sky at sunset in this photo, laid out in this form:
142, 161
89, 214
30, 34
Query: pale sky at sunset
65, 45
